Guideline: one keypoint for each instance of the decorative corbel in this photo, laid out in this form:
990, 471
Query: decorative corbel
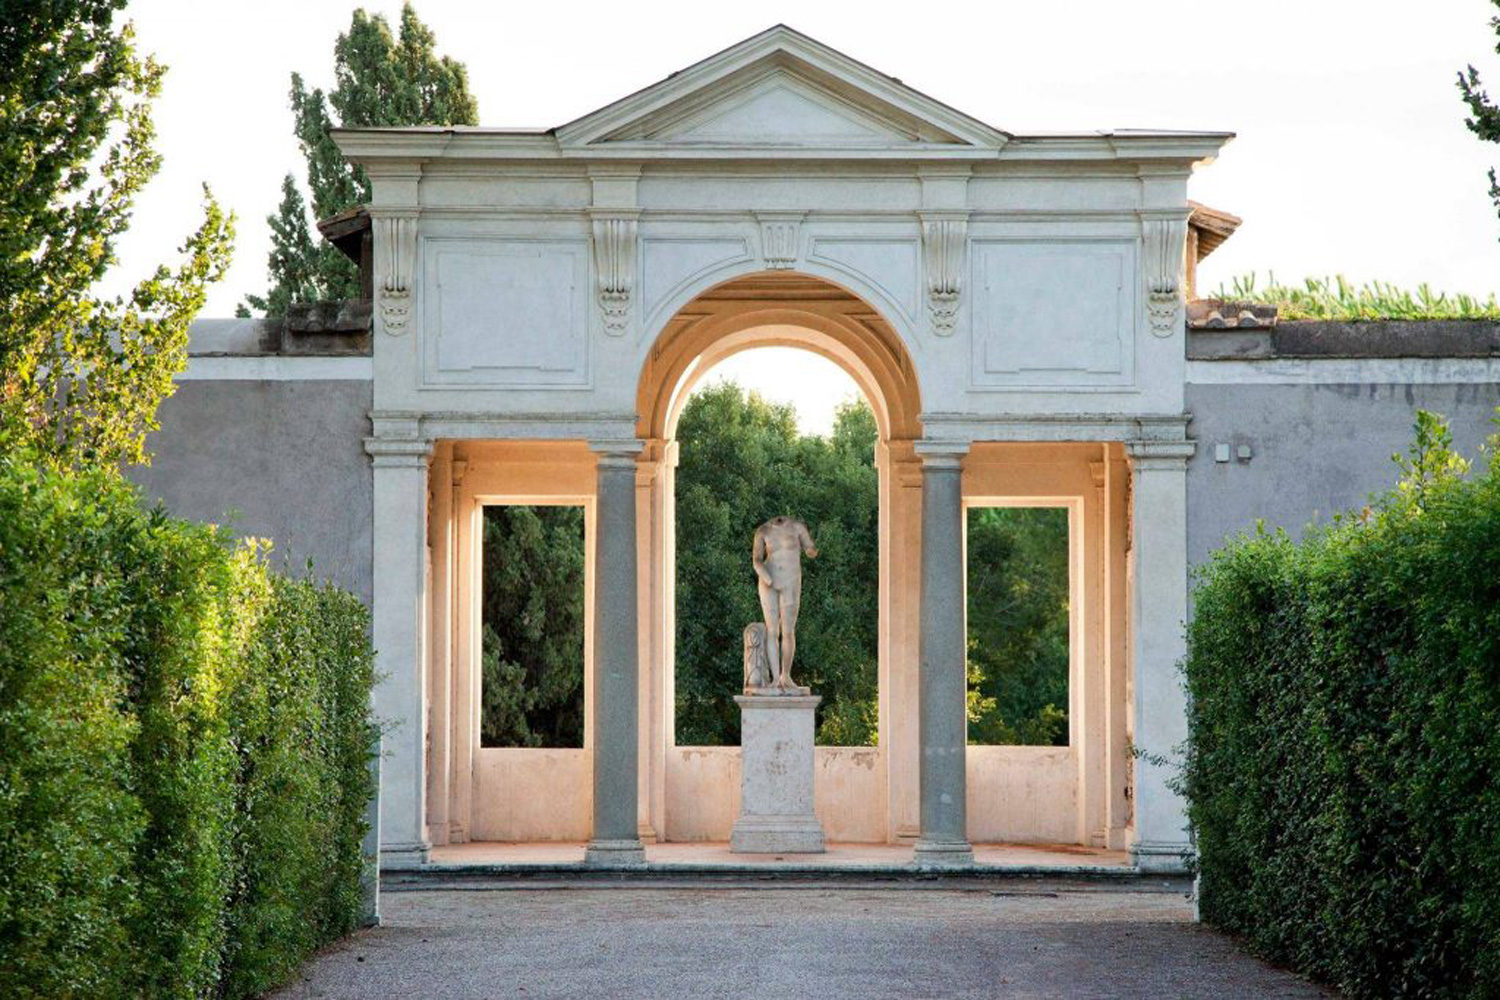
614, 262
1164, 237
396, 246
778, 239
943, 241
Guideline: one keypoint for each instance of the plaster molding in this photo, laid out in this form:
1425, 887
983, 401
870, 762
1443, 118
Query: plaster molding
483, 425
1343, 371
779, 238
1057, 427
1160, 456
944, 239
396, 248
615, 234
1164, 235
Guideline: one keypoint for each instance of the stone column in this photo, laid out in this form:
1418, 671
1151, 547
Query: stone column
942, 687
400, 457
616, 839
1159, 611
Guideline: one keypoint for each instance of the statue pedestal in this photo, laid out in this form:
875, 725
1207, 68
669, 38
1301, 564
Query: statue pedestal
776, 776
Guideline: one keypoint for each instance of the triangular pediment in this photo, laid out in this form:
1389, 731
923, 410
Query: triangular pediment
779, 89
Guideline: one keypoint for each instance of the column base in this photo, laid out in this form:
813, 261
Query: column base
777, 835
404, 856
1162, 857
615, 854
943, 854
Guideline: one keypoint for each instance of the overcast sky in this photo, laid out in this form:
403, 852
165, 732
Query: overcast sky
1352, 155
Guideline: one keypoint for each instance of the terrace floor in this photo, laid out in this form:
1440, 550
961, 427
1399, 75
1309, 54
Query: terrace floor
1044, 858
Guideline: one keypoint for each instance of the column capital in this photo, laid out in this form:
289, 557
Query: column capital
940, 455
1160, 455
399, 453
617, 453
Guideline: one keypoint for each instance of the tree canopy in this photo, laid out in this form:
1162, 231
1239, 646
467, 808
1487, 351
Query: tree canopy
381, 79
532, 659
81, 376
1484, 113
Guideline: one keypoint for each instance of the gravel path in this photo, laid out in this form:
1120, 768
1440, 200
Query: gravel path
825, 943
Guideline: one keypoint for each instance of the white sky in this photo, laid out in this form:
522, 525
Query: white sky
1352, 154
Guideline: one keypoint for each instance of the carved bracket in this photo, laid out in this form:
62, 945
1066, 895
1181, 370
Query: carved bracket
614, 261
943, 243
778, 239
395, 245
1164, 243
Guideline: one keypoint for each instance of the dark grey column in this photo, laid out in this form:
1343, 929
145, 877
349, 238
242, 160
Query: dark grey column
616, 840
942, 718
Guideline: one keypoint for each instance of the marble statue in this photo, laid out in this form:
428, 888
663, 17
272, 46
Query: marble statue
776, 555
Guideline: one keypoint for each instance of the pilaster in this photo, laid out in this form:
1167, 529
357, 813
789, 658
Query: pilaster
400, 457
1159, 611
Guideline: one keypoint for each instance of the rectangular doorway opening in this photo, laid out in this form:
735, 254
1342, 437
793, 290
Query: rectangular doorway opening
1018, 618
532, 617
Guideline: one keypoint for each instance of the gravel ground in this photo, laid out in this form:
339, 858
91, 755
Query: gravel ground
825, 943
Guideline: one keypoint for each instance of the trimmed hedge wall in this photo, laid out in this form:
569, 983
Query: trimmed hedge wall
1343, 770
184, 749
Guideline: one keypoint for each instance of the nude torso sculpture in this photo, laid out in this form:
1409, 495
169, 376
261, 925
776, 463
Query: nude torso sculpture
776, 555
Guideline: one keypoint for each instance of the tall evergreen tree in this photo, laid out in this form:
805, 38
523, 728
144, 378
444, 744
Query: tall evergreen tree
1484, 120
380, 80
80, 376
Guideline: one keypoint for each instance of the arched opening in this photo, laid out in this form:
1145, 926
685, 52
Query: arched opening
690, 791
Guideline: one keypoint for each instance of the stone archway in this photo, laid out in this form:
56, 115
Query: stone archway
868, 793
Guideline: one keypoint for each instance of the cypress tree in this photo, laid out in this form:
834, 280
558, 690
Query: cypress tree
380, 80
1484, 114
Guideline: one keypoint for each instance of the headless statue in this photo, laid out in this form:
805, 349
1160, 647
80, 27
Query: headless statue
776, 555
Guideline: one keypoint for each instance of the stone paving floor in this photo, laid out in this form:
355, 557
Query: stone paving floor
1030, 940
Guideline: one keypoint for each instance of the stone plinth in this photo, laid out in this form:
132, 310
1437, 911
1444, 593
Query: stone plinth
776, 778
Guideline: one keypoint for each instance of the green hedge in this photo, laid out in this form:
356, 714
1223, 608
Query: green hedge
1343, 771
184, 741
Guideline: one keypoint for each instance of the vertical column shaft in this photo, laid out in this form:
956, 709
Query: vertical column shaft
399, 699
616, 839
1159, 608
943, 720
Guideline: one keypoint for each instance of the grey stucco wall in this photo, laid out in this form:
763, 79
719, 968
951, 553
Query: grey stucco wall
1318, 449
282, 460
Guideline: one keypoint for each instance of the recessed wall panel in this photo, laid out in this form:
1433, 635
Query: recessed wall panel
506, 313
1053, 314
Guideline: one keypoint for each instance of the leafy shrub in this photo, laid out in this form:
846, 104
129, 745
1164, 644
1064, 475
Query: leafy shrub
1345, 695
1337, 298
184, 741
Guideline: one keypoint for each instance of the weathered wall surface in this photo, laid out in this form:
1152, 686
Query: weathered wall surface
278, 459
1316, 448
